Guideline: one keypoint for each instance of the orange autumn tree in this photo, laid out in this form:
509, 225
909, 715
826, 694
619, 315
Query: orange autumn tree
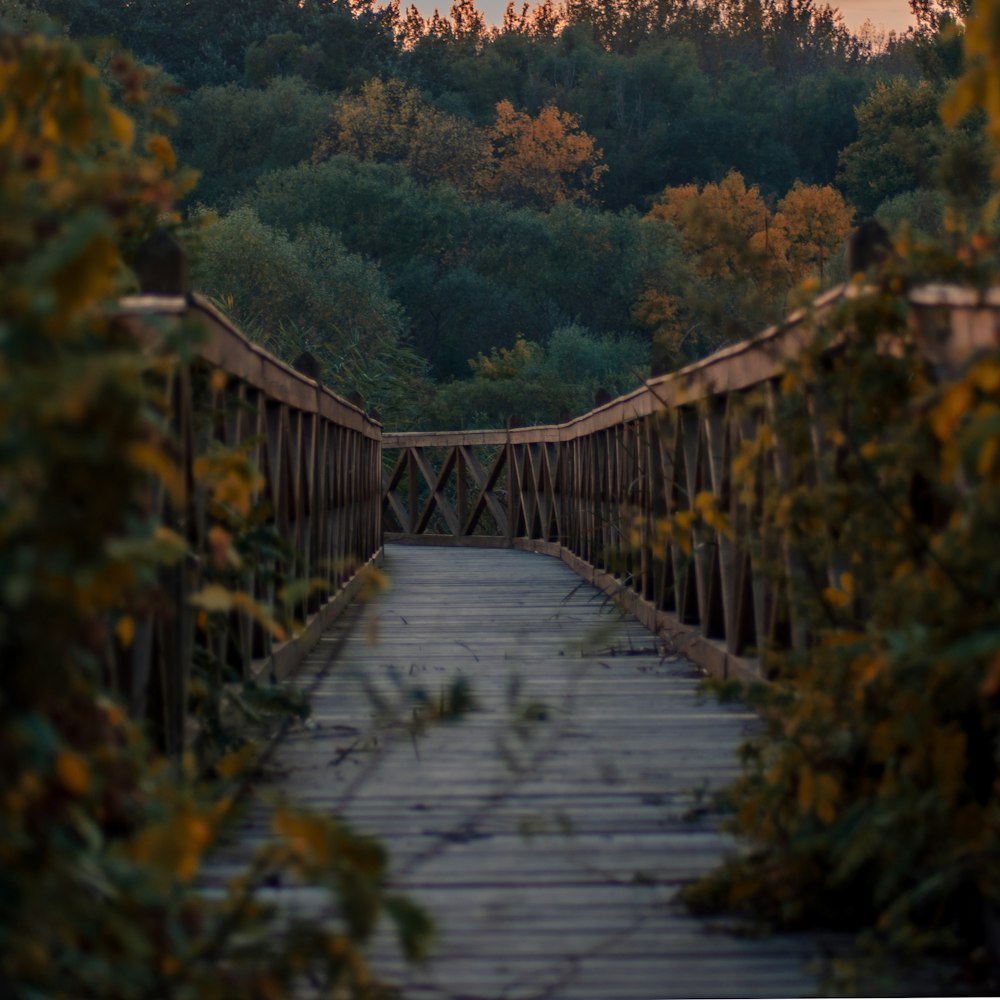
389, 122
811, 226
543, 160
745, 259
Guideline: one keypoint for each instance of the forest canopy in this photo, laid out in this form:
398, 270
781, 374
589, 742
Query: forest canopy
483, 186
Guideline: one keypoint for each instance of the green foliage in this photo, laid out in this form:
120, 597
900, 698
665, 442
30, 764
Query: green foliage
458, 268
922, 212
100, 840
872, 799
308, 293
540, 385
208, 43
235, 134
902, 145
672, 93
388, 122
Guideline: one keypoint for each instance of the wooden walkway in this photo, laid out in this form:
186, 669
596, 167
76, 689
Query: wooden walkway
548, 831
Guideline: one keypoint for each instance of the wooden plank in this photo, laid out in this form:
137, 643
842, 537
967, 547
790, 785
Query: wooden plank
549, 830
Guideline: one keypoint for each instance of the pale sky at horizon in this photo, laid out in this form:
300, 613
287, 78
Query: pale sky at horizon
890, 14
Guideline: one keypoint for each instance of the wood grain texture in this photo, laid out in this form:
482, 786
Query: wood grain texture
548, 831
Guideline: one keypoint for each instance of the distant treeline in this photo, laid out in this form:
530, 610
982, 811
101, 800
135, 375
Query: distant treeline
403, 195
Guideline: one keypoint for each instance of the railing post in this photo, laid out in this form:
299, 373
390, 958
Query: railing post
512, 484
414, 493
461, 489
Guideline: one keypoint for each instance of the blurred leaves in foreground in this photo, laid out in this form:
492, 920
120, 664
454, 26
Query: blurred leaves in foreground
872, 801
100, 839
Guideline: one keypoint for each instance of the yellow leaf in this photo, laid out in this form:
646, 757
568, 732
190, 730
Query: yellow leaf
841, 638
171, 546
847, 583
307, 836
220, 543
373, 583
705, 500
953, 405
986, 375
236, 762
125, 630
160, 147
258, 613
868, 668
175, 846
716, 519
218, 380
214, 598
122, 127
153, 459
113, 712
73, 772
8, 124
684, 519
835, 597
987, 455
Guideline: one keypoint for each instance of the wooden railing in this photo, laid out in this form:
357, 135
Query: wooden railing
592, 490
319, 459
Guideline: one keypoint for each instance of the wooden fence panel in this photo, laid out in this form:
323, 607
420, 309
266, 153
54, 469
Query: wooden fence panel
601, 490
319, 457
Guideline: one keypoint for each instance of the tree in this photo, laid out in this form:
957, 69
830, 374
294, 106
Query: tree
540, 384
308, 293
235, 134
389, 122
813, 223
898, 137
467, 22
724, 226
542, 161
746, 258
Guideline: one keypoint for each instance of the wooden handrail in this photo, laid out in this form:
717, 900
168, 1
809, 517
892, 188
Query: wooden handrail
320, 459
591, 490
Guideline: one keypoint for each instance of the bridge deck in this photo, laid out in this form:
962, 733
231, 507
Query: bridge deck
549, 830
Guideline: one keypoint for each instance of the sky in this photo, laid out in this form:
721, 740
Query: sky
890, 14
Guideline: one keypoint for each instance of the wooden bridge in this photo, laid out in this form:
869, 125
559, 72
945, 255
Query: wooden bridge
549, 831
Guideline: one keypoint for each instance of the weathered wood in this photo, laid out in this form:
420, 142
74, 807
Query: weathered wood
593, 490
320, 460
547, 832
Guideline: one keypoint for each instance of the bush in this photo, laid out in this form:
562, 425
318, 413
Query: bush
873, 799
100, 839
